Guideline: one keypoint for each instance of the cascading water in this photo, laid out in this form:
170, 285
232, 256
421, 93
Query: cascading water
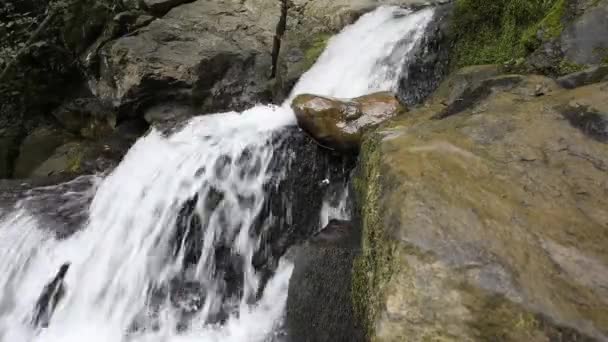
140, 272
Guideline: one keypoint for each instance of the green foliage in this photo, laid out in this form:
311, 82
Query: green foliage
497, 31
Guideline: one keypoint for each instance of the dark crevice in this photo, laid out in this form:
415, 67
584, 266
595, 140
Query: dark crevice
280, 31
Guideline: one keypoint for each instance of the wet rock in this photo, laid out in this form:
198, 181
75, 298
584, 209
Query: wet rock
86, 117
489, 224
585, 41
208, 55
50, 297
428, 63
588, 76
319, 301
340, 124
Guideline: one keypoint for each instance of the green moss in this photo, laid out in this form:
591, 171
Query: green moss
551, 26
373, 268
567, 67
318, 44
494, 32
75, 160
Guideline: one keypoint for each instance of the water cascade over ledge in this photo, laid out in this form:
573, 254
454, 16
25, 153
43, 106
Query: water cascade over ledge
167, 250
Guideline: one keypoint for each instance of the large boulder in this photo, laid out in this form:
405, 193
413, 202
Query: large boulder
209, 55
488, 224
340, 124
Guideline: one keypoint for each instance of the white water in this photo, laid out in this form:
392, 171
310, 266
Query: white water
125, 251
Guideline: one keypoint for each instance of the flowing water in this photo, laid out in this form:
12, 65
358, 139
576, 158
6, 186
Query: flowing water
132, 275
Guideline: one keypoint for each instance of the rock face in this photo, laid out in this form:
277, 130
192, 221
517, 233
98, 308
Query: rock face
319, 302
585, 41
211, 55
488, 224
340, 124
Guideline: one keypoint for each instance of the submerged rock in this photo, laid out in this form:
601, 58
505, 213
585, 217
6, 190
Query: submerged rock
489, 224
340, 124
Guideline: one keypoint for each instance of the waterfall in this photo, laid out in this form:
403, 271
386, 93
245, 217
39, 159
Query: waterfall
166, 248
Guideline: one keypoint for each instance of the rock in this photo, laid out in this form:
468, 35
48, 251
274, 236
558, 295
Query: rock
471, 85
209, 55
588, 76
10, 138
160, 7
87, 117
585, 41
66, 159
490, 224
340, 124
38, 147
428, 63
319, 301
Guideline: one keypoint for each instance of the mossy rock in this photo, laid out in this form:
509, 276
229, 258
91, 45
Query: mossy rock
489, 224
37, 147
65, 160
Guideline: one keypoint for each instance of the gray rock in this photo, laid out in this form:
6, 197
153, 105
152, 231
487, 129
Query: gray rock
319, 302
211, 55
591, 75
586, 40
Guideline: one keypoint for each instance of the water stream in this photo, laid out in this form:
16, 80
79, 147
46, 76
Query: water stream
132, 275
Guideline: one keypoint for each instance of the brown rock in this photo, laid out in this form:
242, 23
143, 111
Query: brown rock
340, 124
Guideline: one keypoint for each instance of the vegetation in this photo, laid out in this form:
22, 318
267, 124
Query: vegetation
498, 31
317, 47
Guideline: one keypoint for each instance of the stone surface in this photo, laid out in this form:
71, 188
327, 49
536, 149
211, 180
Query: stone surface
161, 7
87, 117
319, 301
588, 76
428, 63
211, 55
585, 41
489, 224
36, 148
340, 124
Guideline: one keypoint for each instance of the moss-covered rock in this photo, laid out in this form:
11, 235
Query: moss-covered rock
340, 124
37, 147
489, 224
